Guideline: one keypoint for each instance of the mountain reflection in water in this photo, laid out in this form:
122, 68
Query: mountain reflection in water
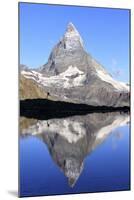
70, 140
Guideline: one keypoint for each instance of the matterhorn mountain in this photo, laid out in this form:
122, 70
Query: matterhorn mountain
73, 75
70, 140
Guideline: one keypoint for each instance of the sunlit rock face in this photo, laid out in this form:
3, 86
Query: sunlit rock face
72, 75
68, 52
71, 139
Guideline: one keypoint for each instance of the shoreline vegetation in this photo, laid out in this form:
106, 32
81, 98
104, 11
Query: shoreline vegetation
47, 109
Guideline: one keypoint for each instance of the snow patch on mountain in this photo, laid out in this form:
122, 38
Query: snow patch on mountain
72, 71
107, 78
72, 77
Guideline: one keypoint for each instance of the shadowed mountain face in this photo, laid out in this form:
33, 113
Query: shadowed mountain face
47, 109
72, 75
71, 139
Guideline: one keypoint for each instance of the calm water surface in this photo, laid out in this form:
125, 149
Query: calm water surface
77, 154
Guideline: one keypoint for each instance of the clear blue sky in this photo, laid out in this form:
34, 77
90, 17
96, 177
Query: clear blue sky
105, 33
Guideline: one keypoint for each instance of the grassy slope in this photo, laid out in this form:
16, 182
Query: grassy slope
30, 90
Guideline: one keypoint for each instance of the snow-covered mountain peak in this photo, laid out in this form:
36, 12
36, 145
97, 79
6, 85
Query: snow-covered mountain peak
72, 37
70, 27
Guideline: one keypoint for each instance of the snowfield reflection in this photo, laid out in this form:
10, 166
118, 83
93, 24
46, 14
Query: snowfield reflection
69, 140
